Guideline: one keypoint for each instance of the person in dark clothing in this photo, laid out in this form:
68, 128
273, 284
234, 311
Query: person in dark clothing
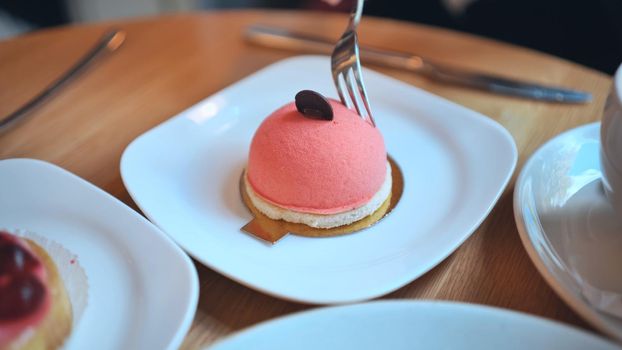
586, 32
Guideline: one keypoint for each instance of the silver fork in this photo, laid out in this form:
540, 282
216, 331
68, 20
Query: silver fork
345, 62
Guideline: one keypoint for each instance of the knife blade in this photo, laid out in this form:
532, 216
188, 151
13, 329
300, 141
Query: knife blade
285, 39
107, 43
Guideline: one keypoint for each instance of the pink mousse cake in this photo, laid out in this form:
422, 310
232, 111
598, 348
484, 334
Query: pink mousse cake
319, 172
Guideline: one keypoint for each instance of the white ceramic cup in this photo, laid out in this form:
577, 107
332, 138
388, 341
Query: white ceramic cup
611, 144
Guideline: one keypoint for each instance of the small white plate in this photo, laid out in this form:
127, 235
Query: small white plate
412, 325
567, 226
143, 289
184, 176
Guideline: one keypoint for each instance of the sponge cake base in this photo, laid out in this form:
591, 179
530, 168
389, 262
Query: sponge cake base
278, 225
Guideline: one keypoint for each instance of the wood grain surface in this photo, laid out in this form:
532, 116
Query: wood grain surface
170, 63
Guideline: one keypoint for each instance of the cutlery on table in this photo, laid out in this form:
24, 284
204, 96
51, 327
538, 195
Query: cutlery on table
109, 42
345, 63
285, 39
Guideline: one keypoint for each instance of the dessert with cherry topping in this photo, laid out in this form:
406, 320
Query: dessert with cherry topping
35, 312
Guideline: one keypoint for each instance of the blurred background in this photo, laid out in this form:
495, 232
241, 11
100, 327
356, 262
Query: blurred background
588, 32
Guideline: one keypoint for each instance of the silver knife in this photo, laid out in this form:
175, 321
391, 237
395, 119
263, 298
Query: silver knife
109, 42
286, 39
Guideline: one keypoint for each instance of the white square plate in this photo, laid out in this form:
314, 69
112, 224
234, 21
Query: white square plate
184, 175
143, 289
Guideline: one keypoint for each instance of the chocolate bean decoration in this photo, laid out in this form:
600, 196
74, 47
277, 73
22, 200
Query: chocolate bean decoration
313, 105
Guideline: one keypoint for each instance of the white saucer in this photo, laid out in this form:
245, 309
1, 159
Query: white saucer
567, 226
143, 289
409, 325
184, 176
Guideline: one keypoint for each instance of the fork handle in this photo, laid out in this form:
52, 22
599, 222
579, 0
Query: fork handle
355, 15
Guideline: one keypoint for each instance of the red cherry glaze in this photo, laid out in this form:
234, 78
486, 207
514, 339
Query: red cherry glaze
14, 259
24, 297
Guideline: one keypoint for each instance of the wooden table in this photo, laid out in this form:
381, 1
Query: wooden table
169, 63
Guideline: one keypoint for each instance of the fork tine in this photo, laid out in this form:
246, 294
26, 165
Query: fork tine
359, 80
350, 87
340, 90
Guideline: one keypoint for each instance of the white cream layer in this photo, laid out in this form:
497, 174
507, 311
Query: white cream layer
322, 220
